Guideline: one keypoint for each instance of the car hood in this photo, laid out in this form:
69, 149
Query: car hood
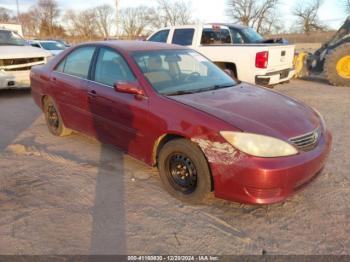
14, 52
255, 109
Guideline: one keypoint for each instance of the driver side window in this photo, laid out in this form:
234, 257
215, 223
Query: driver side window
111, 67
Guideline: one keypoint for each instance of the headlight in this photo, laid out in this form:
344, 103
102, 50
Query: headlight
259, 145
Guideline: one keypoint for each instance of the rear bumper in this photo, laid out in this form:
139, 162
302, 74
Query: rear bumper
14, 79
256, 180
274, 78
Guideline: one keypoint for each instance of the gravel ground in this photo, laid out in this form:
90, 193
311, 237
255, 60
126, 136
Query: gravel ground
74, 195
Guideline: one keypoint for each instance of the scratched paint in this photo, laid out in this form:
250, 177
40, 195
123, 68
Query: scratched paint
219, 153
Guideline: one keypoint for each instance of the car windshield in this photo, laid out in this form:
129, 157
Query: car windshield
176, 72
11, 38
252, 35
52, 46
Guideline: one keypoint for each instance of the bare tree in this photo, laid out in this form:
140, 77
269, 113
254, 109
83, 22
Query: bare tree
5, 15
82, 24
307, 16
135, 20
104, 18
173, 12
254, 13
30, 21
48, 12
347, 6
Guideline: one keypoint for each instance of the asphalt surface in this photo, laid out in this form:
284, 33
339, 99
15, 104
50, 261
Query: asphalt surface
74, 195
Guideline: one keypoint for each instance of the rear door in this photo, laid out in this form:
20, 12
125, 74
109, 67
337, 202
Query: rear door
71, 86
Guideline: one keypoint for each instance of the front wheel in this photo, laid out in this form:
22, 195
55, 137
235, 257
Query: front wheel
184, 171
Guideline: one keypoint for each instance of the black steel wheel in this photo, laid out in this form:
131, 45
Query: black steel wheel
181, 172
184, 171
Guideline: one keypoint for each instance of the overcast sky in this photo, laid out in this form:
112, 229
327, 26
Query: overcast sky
332, 11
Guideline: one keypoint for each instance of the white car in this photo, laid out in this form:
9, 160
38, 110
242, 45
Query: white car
54, 47
239, 50
16, 60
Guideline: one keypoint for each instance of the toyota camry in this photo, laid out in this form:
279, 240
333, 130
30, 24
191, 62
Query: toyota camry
171, 107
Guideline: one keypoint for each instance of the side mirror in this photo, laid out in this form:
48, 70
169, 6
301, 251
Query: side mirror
128, 88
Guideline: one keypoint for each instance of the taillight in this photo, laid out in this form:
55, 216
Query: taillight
261, 59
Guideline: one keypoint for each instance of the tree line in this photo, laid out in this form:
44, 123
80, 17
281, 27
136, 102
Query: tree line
47, 19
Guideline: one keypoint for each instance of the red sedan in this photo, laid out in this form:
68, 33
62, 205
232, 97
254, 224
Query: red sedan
172, 108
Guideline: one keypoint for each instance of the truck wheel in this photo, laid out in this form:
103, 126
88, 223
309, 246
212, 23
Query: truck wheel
53, 119
337, 66
184, 171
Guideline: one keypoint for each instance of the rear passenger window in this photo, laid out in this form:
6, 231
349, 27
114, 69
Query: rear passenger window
161, 36
215, 36
77, 63
111, 67
183, 36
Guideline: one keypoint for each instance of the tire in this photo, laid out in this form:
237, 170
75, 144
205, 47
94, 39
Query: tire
197, 183
332, 65
53, 119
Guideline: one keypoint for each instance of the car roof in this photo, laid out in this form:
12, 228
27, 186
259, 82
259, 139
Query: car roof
45, 41
235, 26
131, 46
231, 25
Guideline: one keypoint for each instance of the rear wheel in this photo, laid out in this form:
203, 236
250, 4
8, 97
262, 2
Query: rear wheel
184, 171
337, 66
53, 119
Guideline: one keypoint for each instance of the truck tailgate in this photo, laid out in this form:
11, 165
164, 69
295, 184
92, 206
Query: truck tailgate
280, 57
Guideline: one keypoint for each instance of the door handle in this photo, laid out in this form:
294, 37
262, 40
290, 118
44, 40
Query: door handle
92, 93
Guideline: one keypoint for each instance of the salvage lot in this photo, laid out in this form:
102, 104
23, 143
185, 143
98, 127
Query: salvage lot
73, 195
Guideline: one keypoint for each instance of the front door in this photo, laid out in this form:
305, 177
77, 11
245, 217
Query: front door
119, 118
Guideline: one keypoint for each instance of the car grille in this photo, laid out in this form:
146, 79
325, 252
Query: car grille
307, 141
20, 61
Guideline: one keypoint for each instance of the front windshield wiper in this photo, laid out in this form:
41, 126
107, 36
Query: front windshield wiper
180, 92
185, 92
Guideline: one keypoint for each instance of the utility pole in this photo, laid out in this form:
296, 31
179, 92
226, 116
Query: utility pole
117, 16
18, 21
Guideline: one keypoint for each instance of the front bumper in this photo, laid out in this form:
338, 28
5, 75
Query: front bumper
14, 79
6, 81
274, 78
256, 180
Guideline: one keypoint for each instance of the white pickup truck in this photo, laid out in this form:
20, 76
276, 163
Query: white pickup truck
238, 49
16, 60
